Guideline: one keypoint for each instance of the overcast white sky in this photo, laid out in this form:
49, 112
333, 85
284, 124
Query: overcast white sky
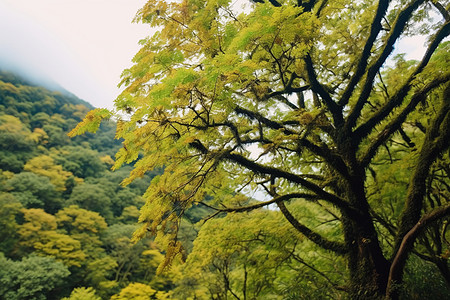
84, 45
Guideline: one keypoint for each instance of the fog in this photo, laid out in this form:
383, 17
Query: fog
81, 45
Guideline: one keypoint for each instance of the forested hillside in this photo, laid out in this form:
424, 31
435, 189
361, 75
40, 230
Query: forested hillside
65, 220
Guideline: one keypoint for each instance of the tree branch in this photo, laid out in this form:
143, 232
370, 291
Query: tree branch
248, 208
325, 153
257, 116
442, 10
338, 248
334, 160
398, 263
261, 169
437, 140
316, 87
362, 62
388, 47
288, 90
273, 2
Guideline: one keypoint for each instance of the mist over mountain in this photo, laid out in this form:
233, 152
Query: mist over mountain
31, 76
20, 74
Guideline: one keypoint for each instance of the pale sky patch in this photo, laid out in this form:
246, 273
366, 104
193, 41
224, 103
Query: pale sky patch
84, 45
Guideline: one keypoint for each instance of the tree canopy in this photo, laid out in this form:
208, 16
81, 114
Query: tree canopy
296, 103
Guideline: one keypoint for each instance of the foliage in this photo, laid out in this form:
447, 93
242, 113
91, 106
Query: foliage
81, 161
83, 294
38, 234
44, 165
92, 197
422, 281
254, 255
31, 278
16, 142
33, 191
9, 208
294, 102
135, 291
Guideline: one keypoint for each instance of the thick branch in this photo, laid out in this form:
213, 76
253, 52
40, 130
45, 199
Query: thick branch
308, 6
273, 2
362, 62
388, 47
261, 169
437, 140
321, 7
251, 207
257, 116
396, 270
316, 87
334, 160
442, 10
288, 90
316, 238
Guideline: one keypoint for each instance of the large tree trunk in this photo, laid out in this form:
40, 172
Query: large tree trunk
369, 269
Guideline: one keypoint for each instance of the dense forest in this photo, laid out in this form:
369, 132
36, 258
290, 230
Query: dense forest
66, 223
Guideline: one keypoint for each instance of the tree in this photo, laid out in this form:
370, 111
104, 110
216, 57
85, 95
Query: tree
84, 226
38, 233
255, 255
44, 165
117, 241
33, 277
9, 210
81, 161
83, 294
92, 197
34, 191
292, 100
16, 143
135, 291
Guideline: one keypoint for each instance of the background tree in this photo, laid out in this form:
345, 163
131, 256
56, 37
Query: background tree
44, 165
291, 100
9, 236
33, 191
255, 255
83, 294
16, 143
38, 233
31, 278
136, 291
93, 197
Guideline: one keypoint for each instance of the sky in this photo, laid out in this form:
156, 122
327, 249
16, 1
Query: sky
83, 45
